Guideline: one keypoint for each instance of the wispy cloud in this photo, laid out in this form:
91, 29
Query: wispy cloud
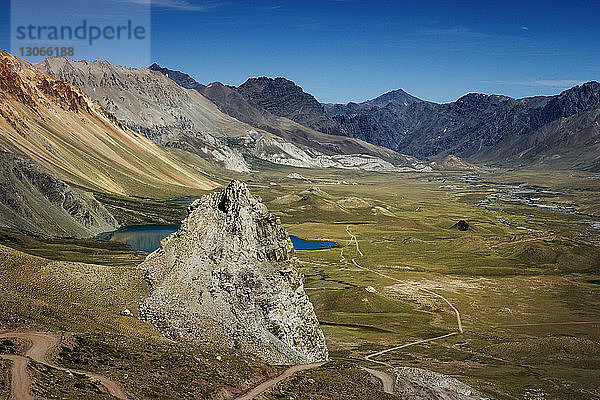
525, 28
454, 31
556, 83
177, 4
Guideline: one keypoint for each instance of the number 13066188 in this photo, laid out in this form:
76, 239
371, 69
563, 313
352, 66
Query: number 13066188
47, 51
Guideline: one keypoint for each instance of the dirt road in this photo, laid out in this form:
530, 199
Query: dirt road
458, 319
43, 343
385, 378
19, 382
263, 387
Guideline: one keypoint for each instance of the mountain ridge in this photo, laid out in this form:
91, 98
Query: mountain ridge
71, 135
472, 124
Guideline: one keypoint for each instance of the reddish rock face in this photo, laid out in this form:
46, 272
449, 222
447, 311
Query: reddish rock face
10, 81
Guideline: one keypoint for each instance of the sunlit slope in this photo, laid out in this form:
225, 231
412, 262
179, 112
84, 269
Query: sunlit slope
70, 134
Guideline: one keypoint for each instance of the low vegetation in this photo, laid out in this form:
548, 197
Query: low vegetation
520, 278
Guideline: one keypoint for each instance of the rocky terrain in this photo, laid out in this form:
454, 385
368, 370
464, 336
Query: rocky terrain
180, 116
38, 202
229, 276
570, 142
292, 143
69, 134
473, 124
421, 384
150, 103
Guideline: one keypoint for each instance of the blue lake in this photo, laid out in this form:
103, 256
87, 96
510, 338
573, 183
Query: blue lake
301, 244
140, 237
182, 202
148, 237
595, 282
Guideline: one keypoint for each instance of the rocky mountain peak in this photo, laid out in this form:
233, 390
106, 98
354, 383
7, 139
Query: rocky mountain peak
229, 276
282, 97
182, 79
397, 97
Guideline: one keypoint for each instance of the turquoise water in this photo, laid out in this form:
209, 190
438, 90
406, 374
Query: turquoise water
301, 244
140, 237
148, 237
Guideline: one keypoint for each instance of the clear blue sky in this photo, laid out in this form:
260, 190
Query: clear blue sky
349, 50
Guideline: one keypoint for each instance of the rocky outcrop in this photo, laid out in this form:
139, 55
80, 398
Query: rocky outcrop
422, 384
33, 200
453, 163
229, 276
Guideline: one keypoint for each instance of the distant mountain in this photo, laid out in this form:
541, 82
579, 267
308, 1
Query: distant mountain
253, 106
473, 124
398, 96
182, 79
72, 136
571, 143
284, 98
256, 105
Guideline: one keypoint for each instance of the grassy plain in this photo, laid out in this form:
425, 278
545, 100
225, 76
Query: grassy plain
520, 276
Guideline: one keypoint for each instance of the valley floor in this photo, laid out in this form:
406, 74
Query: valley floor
519, 279
510, 301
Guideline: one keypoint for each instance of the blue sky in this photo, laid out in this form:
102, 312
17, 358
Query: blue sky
349, 50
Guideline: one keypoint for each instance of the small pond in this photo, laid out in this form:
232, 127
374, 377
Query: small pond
140, 237
595, 282
301, 244
182, 202
148, 237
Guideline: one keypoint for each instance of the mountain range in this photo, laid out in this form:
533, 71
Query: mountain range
182, 117
83, 127
481, 127
477, 127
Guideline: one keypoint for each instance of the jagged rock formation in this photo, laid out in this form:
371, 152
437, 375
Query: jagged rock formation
422, 384
35, 201
229, 276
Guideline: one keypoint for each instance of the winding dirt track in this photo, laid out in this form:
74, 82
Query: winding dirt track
20, 381
385, 378
263, 387
458, 319
41, 344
